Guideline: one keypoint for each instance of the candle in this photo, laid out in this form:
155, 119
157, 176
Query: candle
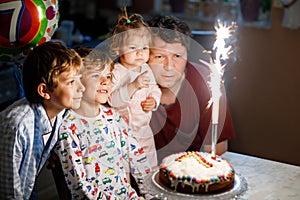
216, 67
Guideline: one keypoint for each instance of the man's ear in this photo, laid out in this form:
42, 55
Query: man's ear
43, 91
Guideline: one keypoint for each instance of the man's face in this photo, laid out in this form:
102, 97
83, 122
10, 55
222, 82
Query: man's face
168, 61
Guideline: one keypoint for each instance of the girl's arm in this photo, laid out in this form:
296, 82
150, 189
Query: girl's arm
154, 89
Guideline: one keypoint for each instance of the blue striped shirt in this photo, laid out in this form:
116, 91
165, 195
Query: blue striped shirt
22, 149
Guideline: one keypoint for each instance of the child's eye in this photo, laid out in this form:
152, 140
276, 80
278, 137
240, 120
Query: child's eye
145, 48
108, 76
95, 76
71, 82
132, 48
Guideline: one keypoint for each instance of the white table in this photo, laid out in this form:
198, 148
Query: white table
266, 179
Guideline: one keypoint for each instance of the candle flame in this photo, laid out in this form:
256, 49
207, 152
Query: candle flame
216, 66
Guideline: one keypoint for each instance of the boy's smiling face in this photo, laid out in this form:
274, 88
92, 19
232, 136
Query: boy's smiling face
98, 85
68, 92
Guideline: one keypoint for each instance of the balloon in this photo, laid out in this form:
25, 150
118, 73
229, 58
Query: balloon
25, 24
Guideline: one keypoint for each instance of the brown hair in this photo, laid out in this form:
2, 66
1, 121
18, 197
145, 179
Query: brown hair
171, 29
44, 64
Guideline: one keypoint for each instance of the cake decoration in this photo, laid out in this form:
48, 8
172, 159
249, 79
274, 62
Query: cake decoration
196, 172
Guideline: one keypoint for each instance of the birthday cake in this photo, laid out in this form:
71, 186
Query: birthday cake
196, 173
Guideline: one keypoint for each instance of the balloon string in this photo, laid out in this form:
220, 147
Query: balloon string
18, 78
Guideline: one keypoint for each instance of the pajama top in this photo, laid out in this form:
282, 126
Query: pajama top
93, 152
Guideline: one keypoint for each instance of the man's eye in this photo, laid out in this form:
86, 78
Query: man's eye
159, 57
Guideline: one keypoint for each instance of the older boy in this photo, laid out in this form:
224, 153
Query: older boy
27, 127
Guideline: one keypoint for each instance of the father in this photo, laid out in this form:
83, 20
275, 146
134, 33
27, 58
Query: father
183, 119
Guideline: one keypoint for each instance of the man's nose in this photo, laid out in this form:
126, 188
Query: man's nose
169, 64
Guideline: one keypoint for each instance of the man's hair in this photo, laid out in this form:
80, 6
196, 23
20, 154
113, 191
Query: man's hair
44, 64
94, 59
171, 29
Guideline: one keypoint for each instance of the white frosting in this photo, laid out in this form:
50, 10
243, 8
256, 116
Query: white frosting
190, 166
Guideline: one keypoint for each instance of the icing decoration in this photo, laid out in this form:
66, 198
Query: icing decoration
177, 174
197, 156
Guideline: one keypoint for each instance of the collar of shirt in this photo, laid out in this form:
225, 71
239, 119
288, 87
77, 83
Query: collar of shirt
42, 119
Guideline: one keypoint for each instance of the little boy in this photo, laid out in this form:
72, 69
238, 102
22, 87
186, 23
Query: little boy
28, 126
96, 143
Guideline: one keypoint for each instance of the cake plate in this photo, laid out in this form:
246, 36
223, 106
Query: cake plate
156, 189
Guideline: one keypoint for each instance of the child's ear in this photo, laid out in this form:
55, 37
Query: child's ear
43, 91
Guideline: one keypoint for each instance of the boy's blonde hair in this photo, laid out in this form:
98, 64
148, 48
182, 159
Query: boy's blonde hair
44, 64
94, 59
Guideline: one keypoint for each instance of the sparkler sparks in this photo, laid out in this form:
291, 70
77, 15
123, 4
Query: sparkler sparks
216, 66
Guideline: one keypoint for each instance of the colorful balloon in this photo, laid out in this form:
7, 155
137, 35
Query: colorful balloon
25, 24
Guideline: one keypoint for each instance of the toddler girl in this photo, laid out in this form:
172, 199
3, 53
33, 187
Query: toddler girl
135, 92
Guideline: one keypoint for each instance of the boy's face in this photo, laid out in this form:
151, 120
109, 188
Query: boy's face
78, 92
135, 52
68, 92
98, 86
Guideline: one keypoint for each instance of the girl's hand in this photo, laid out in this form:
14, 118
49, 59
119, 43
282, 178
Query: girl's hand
149, 104
142, 81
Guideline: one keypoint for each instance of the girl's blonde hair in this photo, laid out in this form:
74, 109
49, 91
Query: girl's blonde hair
125, 27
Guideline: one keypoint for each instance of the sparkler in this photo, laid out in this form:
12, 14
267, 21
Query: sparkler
216, 66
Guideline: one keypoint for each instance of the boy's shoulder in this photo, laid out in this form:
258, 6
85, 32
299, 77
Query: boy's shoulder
17, 108
19, 111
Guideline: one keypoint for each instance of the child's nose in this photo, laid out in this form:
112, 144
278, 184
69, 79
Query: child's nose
139, 51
